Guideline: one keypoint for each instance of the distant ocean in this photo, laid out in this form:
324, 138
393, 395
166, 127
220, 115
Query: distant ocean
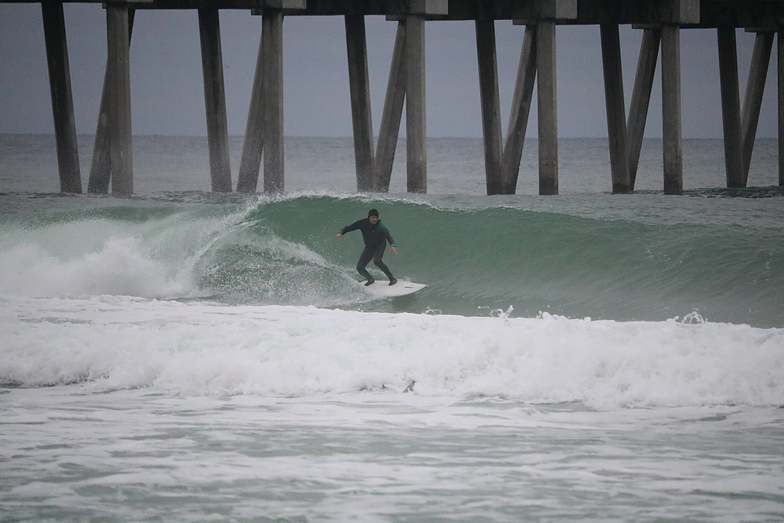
28, 163
189, 356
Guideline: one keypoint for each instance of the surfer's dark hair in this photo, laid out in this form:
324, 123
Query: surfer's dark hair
372, 212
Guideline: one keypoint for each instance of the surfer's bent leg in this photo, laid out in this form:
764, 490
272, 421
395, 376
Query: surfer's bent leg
380, 263
364, 259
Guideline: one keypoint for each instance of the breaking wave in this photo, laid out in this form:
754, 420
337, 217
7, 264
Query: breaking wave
283, 252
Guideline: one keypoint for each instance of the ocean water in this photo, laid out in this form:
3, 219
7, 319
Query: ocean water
187, 356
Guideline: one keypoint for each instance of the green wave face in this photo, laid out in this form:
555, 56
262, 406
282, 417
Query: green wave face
478, 257
477, 261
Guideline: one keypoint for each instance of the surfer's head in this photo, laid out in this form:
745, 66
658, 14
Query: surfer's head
373, 216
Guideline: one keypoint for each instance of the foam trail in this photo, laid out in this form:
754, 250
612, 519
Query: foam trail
207, 349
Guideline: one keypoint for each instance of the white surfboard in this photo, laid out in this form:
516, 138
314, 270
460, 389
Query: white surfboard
382, 289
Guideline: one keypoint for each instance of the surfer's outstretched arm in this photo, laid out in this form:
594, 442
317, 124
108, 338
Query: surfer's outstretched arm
353, 227
348, 228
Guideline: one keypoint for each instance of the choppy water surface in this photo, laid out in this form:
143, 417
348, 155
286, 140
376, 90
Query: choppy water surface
188, 356
383, 456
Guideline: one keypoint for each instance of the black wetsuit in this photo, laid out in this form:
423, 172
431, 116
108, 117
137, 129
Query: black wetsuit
376, 238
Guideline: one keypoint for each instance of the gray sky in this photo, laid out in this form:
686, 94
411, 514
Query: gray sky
167, 91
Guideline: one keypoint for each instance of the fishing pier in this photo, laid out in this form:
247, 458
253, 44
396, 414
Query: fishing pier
661, 22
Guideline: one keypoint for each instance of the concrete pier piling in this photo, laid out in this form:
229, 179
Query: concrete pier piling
752, 103
392, 113
62, 98
730, 106
641, 97
781, 105
101, 164
215, 99
359, 86
616, 110
671, 109
253, 146
521, 107
416, 120
272, 44
491, 106
548, 114
118, 72
660, 20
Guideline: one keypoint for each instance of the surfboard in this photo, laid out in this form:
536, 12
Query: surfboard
382, 289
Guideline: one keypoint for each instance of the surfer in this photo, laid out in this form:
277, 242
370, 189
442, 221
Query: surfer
376, 236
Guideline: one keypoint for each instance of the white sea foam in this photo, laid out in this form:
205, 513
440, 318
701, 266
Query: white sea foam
212, 349
96, 256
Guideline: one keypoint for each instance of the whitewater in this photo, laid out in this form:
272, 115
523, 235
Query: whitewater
189, 356
118, 407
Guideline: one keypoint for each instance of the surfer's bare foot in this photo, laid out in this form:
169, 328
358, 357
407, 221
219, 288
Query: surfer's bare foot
393, 281
370, 282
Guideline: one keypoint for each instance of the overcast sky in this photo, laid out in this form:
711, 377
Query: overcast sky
167, 89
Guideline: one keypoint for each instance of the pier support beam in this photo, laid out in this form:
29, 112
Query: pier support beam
215, 99
671, 109
253, 146
521, 107
62, 98
101, 165
730, 106
752, 103
272, 37
118, 72
359, 85
416, 121
548, 114
641, 97
616, 110
392, 114
781, 106
491, 106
